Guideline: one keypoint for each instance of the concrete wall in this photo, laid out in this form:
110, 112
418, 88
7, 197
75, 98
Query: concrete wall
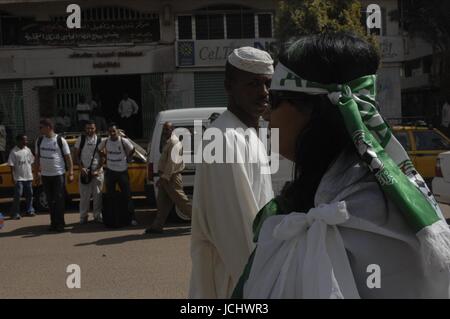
56, 62
388, 91
31, 104
181, 90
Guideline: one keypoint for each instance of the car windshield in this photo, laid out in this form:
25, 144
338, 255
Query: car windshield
430, 141
402, 137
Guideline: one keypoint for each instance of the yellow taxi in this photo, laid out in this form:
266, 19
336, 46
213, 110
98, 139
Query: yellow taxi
423, 145
137, 170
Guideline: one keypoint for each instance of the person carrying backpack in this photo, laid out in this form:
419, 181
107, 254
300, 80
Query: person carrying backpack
118, 150
52, 161
91, 172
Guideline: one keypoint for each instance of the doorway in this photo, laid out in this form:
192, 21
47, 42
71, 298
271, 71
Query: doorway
110, 89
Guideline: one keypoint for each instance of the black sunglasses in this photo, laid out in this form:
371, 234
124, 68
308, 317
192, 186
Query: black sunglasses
276, 97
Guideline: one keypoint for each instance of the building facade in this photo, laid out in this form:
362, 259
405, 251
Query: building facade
163, 53
405, 83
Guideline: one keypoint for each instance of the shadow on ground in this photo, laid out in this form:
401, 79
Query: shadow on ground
169, 232
143, 217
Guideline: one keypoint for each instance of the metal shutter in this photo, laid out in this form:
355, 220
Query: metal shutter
11, 106
210, 90
68, 93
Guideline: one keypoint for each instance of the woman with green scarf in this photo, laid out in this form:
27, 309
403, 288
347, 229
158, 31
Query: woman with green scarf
357, 221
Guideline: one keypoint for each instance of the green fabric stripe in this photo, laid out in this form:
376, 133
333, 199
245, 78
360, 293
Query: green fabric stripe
411, 202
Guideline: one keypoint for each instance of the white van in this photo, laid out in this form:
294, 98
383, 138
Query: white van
184, 118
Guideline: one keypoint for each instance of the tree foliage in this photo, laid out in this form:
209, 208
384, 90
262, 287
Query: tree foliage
302, 17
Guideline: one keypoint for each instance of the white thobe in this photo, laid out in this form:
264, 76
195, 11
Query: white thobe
227, 198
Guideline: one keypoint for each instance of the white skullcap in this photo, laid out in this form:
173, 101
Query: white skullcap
251, 60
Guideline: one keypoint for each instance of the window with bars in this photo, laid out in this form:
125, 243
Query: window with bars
265, 25
184, 27
240, 26
10, 28
232, 23
209, 27
404, 9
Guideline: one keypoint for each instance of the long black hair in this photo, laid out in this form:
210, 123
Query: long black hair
330, 58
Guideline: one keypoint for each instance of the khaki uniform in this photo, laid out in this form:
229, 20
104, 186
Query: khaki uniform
170, 191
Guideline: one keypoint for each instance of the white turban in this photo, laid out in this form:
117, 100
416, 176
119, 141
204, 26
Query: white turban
251, 60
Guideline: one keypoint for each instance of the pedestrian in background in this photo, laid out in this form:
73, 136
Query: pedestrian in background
128, 108
52, 160
84, 110
91, 172
21, 160
170, 183
118, 150
99, 119
62, 122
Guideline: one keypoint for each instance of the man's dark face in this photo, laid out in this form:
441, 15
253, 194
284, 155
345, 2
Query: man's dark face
23, 141
250, 92
44, 129
113, 133
167, 130
90, 129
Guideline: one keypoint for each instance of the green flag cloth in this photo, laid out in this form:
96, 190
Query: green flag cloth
384, 156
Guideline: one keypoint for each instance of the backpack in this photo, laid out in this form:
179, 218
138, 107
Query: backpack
60, 145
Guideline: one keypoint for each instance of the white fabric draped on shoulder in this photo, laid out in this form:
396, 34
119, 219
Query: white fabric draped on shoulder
302, 256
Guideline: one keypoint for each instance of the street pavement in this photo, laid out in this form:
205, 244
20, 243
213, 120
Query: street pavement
123, 263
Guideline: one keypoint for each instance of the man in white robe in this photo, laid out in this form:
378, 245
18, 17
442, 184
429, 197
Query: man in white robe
227, 196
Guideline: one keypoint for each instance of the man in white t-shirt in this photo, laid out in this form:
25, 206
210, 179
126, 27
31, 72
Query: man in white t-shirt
21, 160
84, 110
117, 150
52, 160
128, 108
91, 172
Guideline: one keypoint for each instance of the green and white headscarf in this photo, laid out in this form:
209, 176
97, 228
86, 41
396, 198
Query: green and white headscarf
384, 156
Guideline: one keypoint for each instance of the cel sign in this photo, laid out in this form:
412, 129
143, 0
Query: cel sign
210, 53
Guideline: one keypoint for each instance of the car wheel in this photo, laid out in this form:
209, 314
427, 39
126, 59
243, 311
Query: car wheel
41, 202
177, 216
